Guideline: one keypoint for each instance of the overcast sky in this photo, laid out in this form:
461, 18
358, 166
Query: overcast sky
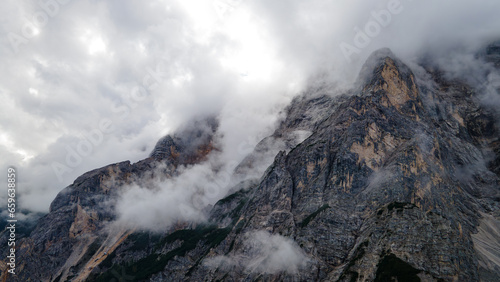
104, 80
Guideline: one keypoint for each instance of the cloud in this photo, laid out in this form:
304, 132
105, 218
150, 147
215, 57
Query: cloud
379, 178
142, 69
263, 253
156, 203
145, 69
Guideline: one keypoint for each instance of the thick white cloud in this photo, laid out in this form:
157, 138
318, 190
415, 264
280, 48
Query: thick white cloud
263, 253
145, 68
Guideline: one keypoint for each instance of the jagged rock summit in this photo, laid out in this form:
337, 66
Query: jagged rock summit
397, 181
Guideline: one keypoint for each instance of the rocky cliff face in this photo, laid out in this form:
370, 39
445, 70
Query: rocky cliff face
398, 179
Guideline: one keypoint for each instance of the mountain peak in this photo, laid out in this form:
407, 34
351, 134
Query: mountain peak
189, 145
385, 75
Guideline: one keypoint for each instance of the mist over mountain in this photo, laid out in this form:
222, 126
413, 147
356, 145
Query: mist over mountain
249, 140
397, 178
120, 74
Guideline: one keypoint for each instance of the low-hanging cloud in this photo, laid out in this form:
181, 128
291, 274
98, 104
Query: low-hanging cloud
156, 201
157, 205
263, 253
145, 69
